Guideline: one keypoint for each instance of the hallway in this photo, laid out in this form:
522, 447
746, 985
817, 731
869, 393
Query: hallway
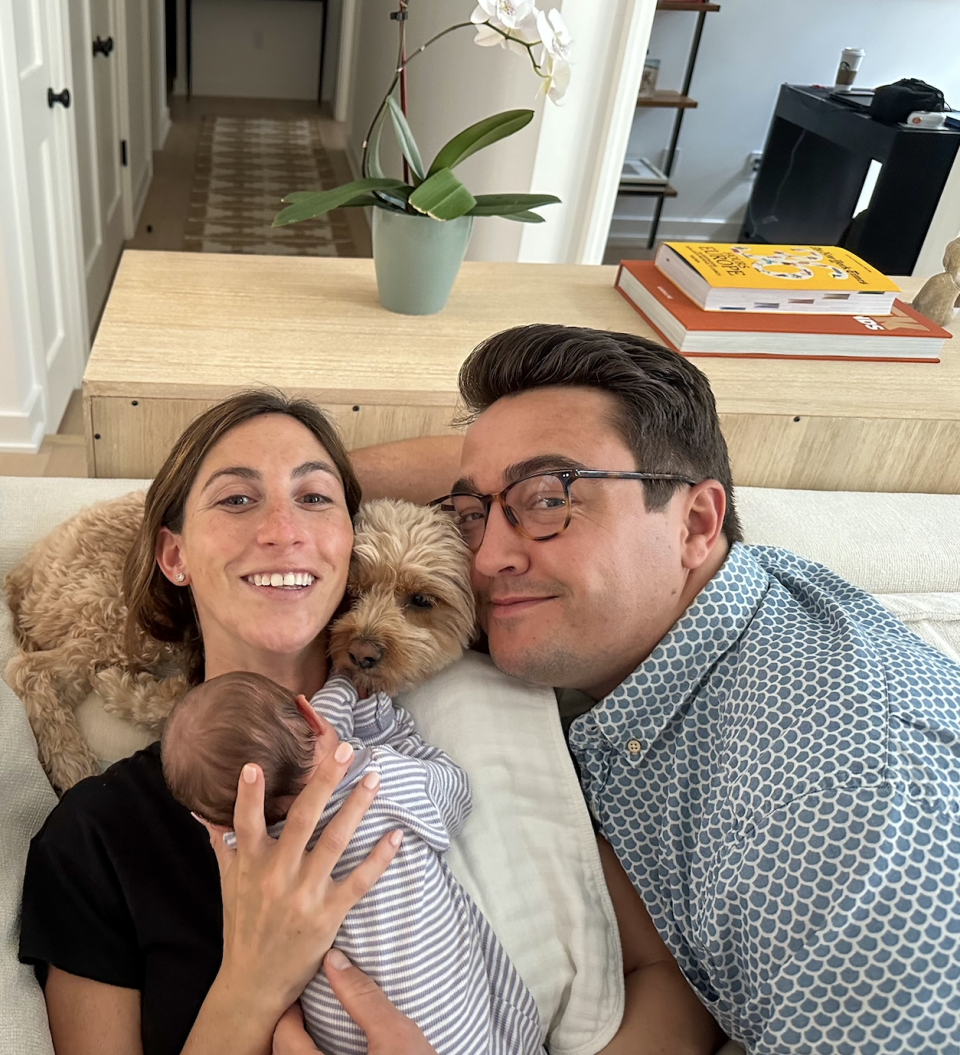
164, 221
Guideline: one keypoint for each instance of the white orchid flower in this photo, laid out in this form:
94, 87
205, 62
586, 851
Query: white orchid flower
556, 77
554, 35
509, 14
499, 20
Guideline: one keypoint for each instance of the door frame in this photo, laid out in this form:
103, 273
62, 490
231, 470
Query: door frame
591, 129
23, 424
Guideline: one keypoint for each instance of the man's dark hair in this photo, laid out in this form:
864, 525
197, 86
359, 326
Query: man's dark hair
667, 414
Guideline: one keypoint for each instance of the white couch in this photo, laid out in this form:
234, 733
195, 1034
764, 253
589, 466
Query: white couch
903, 548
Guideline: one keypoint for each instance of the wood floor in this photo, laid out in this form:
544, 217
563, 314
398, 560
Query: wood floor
162, 225
61, 454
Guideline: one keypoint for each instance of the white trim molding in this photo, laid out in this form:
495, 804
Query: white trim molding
583, 141
22, 431
34, 390
21, 396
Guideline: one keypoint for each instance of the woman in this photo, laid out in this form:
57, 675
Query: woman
123, 914
121, 902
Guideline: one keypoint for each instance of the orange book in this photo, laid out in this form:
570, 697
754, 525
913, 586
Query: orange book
904, 335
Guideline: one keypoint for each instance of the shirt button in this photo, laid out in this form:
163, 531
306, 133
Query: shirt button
635, 746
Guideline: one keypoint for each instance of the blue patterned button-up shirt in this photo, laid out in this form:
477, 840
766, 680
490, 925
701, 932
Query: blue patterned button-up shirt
780, 779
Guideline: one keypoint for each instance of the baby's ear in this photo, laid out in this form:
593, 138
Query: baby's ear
310, 716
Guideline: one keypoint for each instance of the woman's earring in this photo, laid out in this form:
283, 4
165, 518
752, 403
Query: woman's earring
180, 576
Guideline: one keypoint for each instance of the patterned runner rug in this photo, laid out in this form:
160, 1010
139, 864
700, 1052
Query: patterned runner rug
244, 166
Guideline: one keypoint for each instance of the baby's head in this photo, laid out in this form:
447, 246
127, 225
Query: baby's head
219, 726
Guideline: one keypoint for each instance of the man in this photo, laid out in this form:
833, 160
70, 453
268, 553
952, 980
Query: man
773, 757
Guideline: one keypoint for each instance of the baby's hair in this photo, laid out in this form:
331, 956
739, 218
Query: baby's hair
222, 724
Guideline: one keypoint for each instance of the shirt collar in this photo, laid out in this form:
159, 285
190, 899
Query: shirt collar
641, 706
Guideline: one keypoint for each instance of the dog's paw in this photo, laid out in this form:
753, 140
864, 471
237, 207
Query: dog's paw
141, 698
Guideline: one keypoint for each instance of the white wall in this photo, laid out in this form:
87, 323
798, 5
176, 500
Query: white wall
749, 48
160, 119
257, 49
21, 394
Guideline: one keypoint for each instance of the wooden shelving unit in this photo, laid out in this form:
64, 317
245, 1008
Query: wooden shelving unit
667, 99
679, 101
685, 5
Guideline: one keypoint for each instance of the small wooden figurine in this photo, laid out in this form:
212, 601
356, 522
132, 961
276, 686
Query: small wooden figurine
939, 297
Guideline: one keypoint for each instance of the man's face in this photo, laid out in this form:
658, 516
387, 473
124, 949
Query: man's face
581, 610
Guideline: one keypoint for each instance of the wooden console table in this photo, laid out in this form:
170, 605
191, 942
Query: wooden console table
183, 330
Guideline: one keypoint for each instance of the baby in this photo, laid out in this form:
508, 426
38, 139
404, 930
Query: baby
417, 932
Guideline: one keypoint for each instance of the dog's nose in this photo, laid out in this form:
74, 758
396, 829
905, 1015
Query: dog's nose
365, 654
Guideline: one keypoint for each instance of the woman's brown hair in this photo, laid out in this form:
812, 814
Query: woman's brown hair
154, 605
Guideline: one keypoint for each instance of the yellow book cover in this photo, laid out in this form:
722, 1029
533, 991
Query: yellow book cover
825, 268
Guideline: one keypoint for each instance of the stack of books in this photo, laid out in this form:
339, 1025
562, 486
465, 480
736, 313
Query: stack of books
781, 301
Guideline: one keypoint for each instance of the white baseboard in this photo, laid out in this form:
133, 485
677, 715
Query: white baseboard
163, 128
141, 192
22, 431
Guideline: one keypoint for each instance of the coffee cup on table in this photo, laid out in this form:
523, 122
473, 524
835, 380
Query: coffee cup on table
850, 59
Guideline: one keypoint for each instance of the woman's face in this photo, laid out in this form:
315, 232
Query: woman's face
265, 545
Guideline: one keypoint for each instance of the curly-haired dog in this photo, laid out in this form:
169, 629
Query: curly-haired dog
411, 613
411, 608
69, 621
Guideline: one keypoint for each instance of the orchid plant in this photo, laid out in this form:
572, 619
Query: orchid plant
433, 190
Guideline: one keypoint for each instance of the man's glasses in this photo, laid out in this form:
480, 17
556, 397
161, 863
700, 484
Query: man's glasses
538, 507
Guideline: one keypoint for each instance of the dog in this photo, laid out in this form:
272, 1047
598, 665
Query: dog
408, 612
411, 609
69, 622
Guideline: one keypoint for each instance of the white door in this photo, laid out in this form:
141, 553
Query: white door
134, 62
59, 319
99, 148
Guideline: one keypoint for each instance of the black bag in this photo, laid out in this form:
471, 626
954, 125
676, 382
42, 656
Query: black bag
893, 103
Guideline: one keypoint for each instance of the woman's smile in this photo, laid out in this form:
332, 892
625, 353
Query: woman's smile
285, 580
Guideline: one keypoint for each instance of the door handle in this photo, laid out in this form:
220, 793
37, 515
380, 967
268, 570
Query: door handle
102, 47
63, 98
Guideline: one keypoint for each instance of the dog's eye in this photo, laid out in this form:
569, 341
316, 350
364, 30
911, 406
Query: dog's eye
419, 600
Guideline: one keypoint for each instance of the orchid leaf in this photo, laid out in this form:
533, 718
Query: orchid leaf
524, 217
510, 204
374, 169
408, 145
394, 200
317, 203
363, 200
298, 196
480, 135
442, 196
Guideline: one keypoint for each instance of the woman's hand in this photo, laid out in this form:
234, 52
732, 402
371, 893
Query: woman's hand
281, 906
388, 1031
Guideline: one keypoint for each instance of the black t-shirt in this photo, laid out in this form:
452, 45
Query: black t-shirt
122, 887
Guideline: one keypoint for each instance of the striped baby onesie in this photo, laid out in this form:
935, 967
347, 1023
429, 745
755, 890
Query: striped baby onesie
417, 932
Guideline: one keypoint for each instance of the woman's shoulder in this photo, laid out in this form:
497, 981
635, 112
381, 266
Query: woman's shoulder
131, 792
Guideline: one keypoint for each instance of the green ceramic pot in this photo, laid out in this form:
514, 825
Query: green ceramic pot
417, 259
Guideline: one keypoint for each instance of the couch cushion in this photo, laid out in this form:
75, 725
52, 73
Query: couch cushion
883, 543
25, 800
904, 548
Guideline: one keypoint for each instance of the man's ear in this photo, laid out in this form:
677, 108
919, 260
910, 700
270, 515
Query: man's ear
705, 508
170, 557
